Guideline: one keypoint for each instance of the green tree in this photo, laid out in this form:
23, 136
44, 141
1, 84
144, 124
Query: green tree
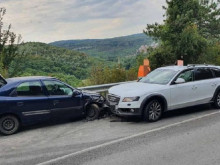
187, 31
9, 42
209, 23
104, 75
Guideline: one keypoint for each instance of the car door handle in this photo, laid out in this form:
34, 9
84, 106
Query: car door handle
55, 102
194, 87
20, 104
214, 84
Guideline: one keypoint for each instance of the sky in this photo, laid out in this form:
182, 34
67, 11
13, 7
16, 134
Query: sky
53, 20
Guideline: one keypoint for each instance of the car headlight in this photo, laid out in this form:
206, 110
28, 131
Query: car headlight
98, 98
130, 99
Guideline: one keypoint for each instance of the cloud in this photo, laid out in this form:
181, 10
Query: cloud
50, 20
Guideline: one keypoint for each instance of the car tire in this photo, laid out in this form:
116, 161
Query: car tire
92, 112
217, 100
9, 125
153, 111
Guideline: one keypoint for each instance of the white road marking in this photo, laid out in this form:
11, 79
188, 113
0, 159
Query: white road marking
124, 139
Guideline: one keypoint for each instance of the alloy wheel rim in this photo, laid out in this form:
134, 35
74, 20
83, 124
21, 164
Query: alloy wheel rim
155, 111
91, 112
8, 124
218, 99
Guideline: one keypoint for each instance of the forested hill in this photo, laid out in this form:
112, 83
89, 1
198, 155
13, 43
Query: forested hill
107, 48
67, 65
74, 64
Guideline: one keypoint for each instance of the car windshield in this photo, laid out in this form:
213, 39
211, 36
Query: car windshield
2, 82
159, 76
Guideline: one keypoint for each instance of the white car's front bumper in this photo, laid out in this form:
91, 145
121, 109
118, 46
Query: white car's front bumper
123, 108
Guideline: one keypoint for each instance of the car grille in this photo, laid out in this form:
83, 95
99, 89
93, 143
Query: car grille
113, 99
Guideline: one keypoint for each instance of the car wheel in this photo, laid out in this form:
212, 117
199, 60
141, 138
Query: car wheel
92, 112
9, 125
217, 100
153, 111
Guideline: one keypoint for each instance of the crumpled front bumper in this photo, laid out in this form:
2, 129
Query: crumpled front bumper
124, 111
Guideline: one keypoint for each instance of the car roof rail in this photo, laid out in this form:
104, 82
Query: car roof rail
194, 65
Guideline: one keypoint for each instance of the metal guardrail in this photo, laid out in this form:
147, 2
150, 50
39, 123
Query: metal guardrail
102, 87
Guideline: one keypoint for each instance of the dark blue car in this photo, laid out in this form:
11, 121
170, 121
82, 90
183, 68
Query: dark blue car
27, 100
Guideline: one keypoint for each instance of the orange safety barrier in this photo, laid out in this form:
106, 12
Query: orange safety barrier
180, 62
144, 69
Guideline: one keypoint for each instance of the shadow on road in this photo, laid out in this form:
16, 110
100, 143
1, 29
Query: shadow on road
50, 123
166, 115
169, 114
186, 111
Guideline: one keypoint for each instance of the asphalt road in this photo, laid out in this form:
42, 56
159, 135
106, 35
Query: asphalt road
187, 136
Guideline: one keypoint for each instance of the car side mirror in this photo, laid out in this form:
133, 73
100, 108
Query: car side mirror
179, 81
139, 78
75, 93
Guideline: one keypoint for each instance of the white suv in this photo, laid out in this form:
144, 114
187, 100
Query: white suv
165, 89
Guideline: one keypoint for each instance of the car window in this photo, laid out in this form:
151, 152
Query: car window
57, 88
203, 73
216, 72
29, 89
159, 76
186, 75
2, 81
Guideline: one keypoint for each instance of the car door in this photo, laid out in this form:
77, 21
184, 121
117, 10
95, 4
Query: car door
216, 80
29, 100
184, 94
63, 103
205, 85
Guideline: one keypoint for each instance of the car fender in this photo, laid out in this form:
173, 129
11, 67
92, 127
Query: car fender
215, 94
149, 97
